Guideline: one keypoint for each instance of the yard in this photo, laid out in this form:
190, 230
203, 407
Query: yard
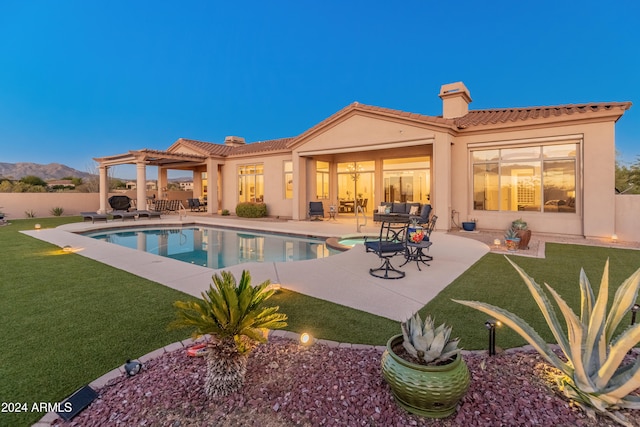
67, 319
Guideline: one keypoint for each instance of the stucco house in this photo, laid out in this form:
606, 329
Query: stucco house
553, 166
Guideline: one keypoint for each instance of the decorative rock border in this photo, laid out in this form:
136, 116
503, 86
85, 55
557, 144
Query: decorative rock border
50, 417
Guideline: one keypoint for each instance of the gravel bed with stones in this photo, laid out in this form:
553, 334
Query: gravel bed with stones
289, 385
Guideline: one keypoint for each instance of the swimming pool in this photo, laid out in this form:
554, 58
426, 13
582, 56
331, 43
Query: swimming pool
216, 247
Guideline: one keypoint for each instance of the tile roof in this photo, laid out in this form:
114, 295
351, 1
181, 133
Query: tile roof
505, 115
471, 119
208, 148
260, 147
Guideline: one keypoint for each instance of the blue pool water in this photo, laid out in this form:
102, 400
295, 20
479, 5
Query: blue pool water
217, 247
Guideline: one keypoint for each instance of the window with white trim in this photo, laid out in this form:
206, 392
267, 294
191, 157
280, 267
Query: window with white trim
540, 178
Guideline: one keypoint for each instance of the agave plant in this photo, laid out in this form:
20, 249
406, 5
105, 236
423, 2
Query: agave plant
427, 344
233, 315
594, 375
510, 234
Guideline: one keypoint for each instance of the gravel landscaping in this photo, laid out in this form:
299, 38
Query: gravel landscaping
289, 385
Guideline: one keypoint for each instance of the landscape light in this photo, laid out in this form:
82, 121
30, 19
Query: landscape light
614, 237
305, 339
496, 242
491, 326
132, 367
634, 310
37, 226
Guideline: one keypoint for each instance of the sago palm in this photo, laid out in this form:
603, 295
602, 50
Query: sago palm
233, 315
594, 374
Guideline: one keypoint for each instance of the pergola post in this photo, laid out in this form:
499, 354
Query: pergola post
212, 186
104, 189
163, 182
141, 185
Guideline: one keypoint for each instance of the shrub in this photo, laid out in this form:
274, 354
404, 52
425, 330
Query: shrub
595, 375
225, 212
251, 210
234, 315
30, 213
57, 211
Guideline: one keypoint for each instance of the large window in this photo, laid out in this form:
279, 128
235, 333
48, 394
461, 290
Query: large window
407, 179
535, 178
251, 183
288, 179
322, 180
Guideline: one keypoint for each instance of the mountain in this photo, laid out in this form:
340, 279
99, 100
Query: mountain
46, 172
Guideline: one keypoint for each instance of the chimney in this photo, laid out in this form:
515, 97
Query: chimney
455, 100
234, 141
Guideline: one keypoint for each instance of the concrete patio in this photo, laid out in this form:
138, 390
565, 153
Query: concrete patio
342, 279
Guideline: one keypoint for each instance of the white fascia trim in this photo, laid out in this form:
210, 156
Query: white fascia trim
541, 140
382, 146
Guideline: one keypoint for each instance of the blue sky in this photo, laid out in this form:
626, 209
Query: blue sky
84, 79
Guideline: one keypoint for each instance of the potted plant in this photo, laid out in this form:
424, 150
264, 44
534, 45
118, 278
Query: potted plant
511, 239
424, 368
415, 231
469, 225
522, 232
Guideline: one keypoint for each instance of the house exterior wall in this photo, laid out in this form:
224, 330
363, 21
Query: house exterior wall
596, 164
358, 138
361, 132
274, 195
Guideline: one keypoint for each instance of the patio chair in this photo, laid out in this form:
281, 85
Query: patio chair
391, 242
423, 218
431, 225
195, 205
316, 210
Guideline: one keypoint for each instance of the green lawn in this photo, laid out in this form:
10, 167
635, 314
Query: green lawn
495, 281
67, 320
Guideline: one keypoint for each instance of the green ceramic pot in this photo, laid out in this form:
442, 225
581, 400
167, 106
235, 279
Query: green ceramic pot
431, 391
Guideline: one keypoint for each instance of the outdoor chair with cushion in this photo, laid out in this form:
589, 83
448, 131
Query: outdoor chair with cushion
390, 242
316, 210
195, 205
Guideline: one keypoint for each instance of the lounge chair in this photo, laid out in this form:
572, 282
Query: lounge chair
124, 215
93, 216
316, 210
149, 214
391, 242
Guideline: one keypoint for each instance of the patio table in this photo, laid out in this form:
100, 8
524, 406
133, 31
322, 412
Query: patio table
415, 253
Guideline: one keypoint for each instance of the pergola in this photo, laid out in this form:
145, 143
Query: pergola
164, 160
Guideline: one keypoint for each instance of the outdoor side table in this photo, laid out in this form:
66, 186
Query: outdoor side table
332, 212
415, 253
